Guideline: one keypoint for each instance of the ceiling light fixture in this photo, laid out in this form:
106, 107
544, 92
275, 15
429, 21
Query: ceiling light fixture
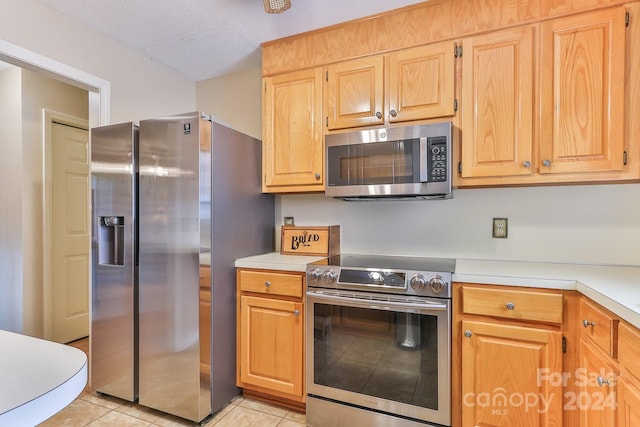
276, 6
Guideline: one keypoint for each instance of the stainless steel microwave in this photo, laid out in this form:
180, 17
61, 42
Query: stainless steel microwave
390, 162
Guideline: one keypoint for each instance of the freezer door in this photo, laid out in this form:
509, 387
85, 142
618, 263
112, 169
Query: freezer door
113, 336
172, 199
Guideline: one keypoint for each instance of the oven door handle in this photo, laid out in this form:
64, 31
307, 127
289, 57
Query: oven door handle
432, 306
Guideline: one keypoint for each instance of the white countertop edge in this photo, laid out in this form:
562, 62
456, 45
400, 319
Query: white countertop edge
527, 282
277, 261
617, 288
48, 404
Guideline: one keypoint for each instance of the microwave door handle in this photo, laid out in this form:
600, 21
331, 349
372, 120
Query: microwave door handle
424, 160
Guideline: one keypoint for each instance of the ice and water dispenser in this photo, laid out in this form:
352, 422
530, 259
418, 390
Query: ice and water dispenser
111, 243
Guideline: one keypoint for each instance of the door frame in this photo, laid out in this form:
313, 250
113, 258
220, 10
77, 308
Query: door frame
99, 89
49, 118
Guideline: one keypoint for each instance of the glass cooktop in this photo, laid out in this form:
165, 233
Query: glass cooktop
391, 262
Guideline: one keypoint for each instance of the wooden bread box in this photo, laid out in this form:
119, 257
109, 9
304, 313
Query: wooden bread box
310, 240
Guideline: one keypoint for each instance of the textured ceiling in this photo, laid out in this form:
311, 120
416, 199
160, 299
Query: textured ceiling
210, 38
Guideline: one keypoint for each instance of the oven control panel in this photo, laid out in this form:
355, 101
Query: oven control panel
406, 282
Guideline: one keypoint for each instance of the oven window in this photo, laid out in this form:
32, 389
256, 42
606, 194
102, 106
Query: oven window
389, 355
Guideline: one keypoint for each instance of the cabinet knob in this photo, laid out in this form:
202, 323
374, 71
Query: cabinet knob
546, 163
317, 176
526, 164
601, 381
267, 284
379, 115
468, 334
296, 312
393, 113
586, 323
510, 306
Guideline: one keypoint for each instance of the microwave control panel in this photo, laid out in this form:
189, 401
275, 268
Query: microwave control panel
437, 158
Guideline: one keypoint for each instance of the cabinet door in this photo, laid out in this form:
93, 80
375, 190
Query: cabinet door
596, 401
582, 93
421, 82
510, 375
497, 104
271, 334
292, 156
628, 403
354, 93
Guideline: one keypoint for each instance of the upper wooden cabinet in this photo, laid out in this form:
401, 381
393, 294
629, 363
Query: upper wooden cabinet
579, 134
582, 93
410, 84
354, 93
548, 92
292, 143
422, 83
497, 104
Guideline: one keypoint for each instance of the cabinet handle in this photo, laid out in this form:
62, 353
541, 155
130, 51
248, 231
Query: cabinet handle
510, 306
317, 176
379, 115
296, 312
601, 381
546, 163
586, 323
393, 113
468, 334
526, 164
267, 284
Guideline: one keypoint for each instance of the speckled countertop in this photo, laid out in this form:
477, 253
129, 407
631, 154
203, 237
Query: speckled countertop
616, 288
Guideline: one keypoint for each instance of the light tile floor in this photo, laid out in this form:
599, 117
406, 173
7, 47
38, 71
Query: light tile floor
95, 410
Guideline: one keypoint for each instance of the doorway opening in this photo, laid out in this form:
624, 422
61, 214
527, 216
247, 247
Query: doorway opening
99, 114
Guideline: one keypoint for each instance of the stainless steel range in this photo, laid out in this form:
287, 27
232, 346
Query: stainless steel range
378, 348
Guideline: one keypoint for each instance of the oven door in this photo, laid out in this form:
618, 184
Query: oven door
387, 353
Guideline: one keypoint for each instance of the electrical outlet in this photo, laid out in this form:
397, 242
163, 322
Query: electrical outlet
288, 220
500, 228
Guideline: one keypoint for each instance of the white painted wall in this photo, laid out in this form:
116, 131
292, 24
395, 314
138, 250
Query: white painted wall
10, 195
140, 88
592, 224
234, 100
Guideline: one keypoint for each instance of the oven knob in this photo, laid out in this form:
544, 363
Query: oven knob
329, 276
314, 275
417, 282
437, 284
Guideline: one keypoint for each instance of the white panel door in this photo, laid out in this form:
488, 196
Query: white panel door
71, 230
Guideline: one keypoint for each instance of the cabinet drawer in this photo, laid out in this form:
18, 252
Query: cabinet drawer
599, 326
517, 305
628, 350
271, 283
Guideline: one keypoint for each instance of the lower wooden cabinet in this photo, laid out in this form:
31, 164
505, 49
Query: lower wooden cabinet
629, 382
509, 354
506, 375
628, 403
598, 378
271, 344
270, 335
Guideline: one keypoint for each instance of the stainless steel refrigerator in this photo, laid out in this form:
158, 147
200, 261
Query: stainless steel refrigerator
170, 215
